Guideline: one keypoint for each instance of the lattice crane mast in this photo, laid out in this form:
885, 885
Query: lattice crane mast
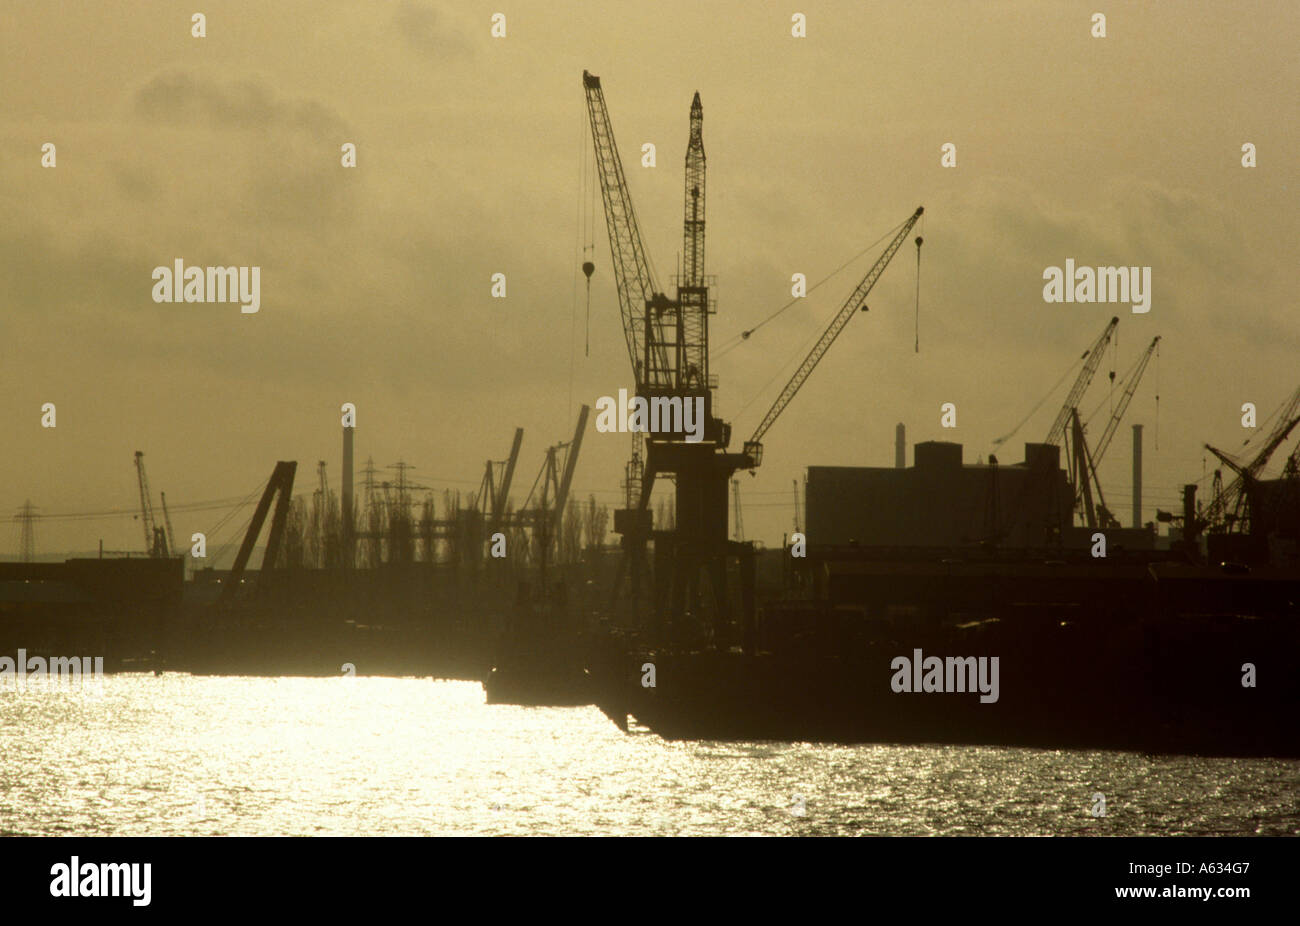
692, 361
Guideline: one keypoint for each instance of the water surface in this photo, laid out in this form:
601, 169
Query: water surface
180, 755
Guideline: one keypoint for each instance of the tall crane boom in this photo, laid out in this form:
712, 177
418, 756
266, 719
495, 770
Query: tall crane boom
570, 464
146, 506
1278, 434
754, 446
167, 519
1084, 472
636, 286
499, 496
1134, 377
1085, 462
1092, 358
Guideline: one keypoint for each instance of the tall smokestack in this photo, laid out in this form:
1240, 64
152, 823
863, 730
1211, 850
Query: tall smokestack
1137, 475
348, 546
900, 446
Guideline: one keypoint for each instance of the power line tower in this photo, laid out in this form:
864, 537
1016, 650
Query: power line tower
27, 546
373, 517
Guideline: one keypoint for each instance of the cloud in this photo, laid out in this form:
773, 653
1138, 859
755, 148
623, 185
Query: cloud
186, 97
425, 32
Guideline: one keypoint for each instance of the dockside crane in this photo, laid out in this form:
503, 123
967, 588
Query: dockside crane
546, 517
1083, 475
167, 519
1085, 461
1080, 466
642, 304
494, 492
1225, 504
279, 488
1091, 360
155, 537
667, 341
856, 300
1043, 480
570, 464
1230, 509
1131, 380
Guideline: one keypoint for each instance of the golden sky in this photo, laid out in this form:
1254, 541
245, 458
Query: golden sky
376, 281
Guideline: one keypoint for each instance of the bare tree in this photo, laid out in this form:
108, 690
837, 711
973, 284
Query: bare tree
571, 533
597, 525
292, 545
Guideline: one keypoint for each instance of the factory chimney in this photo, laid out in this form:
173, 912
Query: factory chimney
900, 446
1137, 475
349, 551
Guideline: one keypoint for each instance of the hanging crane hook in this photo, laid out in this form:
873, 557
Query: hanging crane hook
919, 239
588, 268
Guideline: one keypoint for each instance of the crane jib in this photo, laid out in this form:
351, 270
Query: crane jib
828, 337
634, 280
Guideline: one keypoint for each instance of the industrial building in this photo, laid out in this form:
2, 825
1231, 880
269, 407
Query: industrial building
942, 502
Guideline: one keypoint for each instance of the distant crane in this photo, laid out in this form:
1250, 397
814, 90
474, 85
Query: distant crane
754, 446
1131, 380
279, 488
1084, 462
494, 491
1068, 414
155, 537
1091, 360
167, 519
555, 479
1237, 496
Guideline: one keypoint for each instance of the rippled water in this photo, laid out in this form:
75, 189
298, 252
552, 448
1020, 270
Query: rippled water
177, 754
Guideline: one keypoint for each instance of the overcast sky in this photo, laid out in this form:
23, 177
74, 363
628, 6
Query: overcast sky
376, 281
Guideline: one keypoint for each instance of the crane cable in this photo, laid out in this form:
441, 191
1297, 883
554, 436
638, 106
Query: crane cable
578, 245
124, 513
998, 442
736, 340
1157, 395
212, 532
1114, 358
919, 239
